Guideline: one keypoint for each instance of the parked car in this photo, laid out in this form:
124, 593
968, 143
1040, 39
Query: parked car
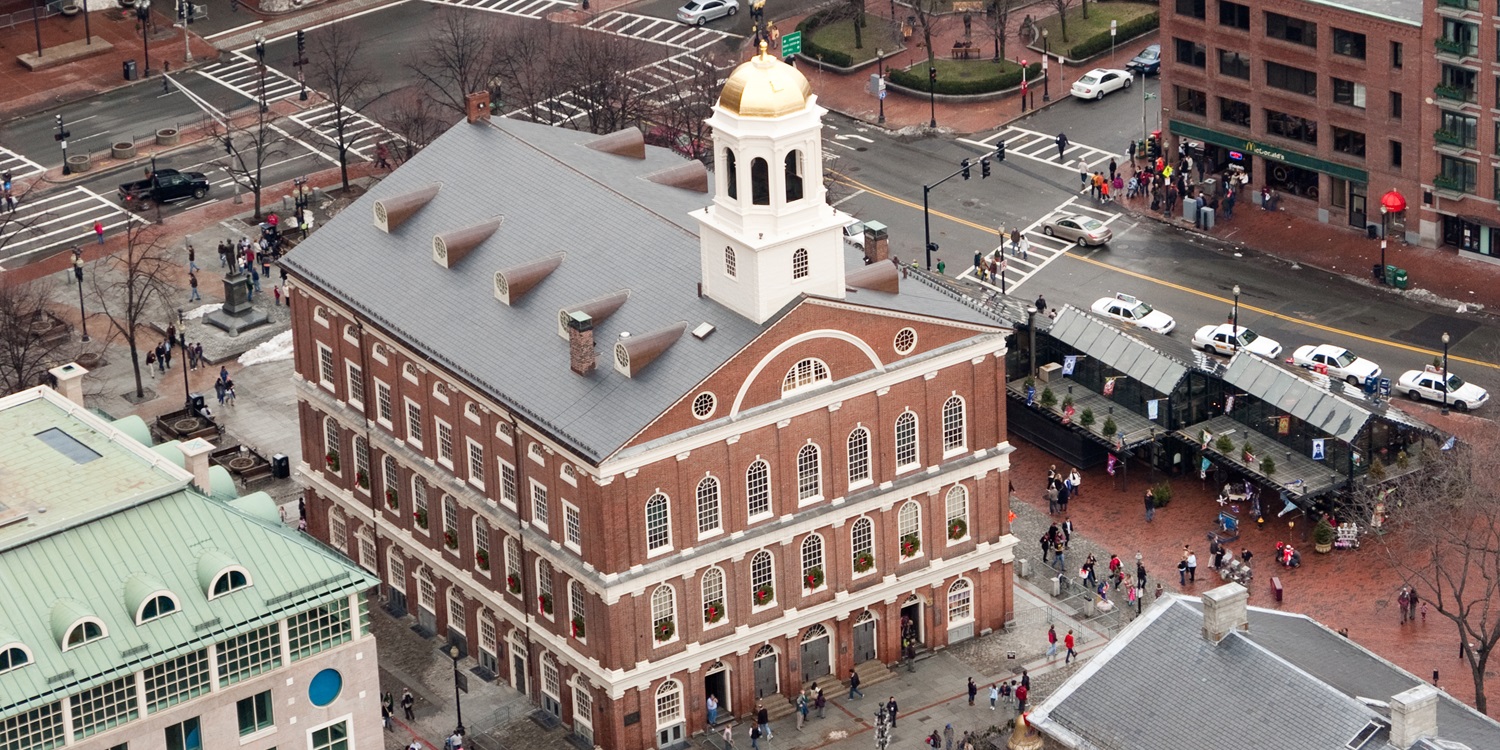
699, 12
1338, 361
1124, 307
1100, 81
1146, 63
164, 186
1226, 339
1429, 384
854, 234
1085, 230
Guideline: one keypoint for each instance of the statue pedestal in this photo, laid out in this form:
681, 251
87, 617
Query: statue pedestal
237, 314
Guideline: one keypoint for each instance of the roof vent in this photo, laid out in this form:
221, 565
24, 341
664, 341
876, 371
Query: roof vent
634, 354
511, 284
449, 248
599, 309
392, 212
877, 277
689, 175
628, 142
703, 329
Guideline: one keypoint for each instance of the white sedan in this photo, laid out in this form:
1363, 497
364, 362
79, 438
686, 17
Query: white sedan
1428, 384
1100, 81
1340, 363
1128, 309
1226, 339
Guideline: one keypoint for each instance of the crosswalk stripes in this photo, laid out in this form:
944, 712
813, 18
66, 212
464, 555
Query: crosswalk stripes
57, 220
521, 8
648, 80
17, 165
658, 30
362, 133
1042, 251
241, 74
1042, 147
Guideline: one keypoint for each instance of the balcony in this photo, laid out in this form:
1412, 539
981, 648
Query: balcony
1455, 47
1453, 139
1459, 4
1455, 93
1451, 184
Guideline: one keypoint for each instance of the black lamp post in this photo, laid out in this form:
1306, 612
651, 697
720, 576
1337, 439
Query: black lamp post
880, 87
78, 274
260, 54
187, 393
143, 14
1046, 88
62, 137
458, 706
1235, 320
932, 95
1384, 227
1445, 372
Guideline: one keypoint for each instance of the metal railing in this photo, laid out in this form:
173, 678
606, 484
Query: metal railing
12, 20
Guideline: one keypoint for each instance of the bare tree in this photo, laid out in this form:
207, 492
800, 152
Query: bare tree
1062, 15
246, 151
346, 82
600, 70
997, 20
681, 109
527, 73
417, 119
461, 57
32, 339
129, 285
19, 224
928, 13
1446, 544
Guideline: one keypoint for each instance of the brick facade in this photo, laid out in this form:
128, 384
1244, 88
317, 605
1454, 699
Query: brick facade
1460, 140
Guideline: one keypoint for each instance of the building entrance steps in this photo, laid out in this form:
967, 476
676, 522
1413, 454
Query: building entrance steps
778, 706
870, 673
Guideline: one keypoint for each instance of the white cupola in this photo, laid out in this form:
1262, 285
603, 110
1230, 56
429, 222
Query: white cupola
770, 234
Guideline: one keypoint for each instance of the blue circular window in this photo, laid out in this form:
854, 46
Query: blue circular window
325, 687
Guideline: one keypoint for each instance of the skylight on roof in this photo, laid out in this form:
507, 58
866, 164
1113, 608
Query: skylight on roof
67, 445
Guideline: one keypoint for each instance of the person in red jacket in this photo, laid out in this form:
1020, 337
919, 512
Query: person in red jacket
1068, 642
1021, 693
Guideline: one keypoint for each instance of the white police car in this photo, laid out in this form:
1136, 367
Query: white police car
1128, 309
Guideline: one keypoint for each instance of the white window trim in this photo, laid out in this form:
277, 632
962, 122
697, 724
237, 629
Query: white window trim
410, 372
471, 413
916, 442
500, 466
947, 603
723, 598
377, 352
438, 425
968, 527
320, 314
669, 546
962, 447
532, 485
776, 592
347, 720
469, 445
440, 391
869, 458
676, 615
382, 421
853, 573
822, 563
569, 474
718, 529
406, 413
921, 547
353, 339
505, 436
567, 507
327, 383
770, 494
349, 367
534, 452
474, 525
818, 496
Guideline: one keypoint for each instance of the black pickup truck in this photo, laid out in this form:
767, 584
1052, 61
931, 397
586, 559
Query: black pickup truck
164, 186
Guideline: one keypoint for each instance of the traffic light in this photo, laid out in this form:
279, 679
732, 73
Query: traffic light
932, 74
1000, 151
301, 43
188, 11
966, 169
932, 247
984, 167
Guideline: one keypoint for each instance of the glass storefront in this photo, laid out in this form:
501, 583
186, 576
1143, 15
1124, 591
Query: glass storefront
1471, 236
1290, 180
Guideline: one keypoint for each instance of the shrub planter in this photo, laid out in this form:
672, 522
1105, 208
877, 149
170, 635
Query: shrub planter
79, 163
168, 137
914, 84
122, 150
855, 68
1098, 45
71, 9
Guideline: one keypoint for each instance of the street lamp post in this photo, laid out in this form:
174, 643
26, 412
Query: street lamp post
1046, 79
458, 707
143, 13
964, 169
1445, 372
260, 54
83, 317
880, 87
187, 393
932, 95
1384, 226
62, 138
1235, 319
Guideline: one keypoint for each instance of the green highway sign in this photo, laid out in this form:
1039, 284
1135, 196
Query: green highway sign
791, 43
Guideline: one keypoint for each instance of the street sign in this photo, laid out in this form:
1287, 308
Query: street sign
791, 43
882, 93
1112, 28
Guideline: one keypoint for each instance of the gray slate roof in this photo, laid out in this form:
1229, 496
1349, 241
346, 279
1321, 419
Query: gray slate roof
1118, 349
1294, 395
618, 231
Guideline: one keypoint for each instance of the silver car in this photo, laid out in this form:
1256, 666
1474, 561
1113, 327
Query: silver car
1084, 230
699, 12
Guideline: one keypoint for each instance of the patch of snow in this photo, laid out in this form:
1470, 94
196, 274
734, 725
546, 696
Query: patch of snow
199, 312
277, 349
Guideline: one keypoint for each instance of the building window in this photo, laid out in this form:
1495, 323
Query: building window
958, 513
509, 492
249, 654
1191, 101
859, 456
731, 174
476, 464
185, 736
513, 564
960, 601
450, 522
1293, 180
1234, 64
1459, 84
99, 709
1234, 15
445, 442
793, 176
729, 262
760, 182
1459, 38
803, 374
84, 632
318, 629
954, 432
383, 402
1192, 8
1351, 142
713, 596
1290, 29
813, 576
1348, 43
481, 544
658, 524
37, 729
664, 613
13, 657
331, 445
1191, 53
362, 463
1396, 154
414, 423
356, 383
544, 587
1291, 126
758, 489
1395, 105
1288, 78
457, 615
762, 579
227, 581
909, 528
906, 441
419, 501
668, 704
703, 405
1234, 112
1398, 55
905, 341
1457, 175
862, 545
1348, 93
338, 531
809, 473
366, 544
254, 713
175, 681
572, 527
799, 263
325, 366
539, 507
576, 618
331, 737
156, 608
708, 506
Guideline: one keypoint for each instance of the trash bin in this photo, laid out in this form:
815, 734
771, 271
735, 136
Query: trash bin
1207, 215
1378, 271
1398, 279
281, 468
1390, 275
129, 70
196, 402
1373, 231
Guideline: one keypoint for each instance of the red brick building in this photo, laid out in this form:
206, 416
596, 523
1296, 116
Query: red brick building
1324, 102
771, 462
1459, 209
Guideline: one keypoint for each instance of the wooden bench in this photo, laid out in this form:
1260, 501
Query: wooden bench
964, 53
1276, 587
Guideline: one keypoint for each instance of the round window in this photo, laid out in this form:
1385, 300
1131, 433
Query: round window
703, 405
325, 687
906, 340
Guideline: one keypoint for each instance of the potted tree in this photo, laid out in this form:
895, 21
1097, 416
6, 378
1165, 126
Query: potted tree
1323, 536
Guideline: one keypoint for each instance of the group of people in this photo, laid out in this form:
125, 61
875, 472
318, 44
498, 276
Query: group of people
253, 258
1061, 488
7, 192
159, 359
1408, 602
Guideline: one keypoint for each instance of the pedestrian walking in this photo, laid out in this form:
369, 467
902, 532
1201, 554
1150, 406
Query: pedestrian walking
755, 735
1052, 498
1041, 304
1140, 575
713, 709
1150, 505
890, 710
973, 690
1062, 145
385, 716
1051, 641
1112, 168
223, 254
948, 737
1083, 175
406, 704
1192, 567
801, 709
994, 694
763, 720
382, 156
1130, 151
1067, 531
729, 736
1402, 600
99, 230
1068, 642
193, 282
820, 703
854, 691
219, 391
1411, 608
1023, 248
1021, 693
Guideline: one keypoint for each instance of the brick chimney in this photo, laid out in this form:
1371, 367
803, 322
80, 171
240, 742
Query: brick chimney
477, 105
1413, 715
195, 457
877, 242
70, 381
1224, 611
581, 342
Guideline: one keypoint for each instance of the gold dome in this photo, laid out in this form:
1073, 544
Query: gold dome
764, 86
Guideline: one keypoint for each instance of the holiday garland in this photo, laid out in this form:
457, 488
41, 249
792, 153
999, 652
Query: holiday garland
910, 545
863, 561
764, 594
482, 558
392, 499
713, 611
957, 529
333, 460
813, 578
578, 626
513, 584
664, 630
545, 603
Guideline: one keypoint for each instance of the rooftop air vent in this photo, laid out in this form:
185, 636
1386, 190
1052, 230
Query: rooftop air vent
511, 284
634, 353
628, 142
449, 248
393, 211
599, 309
689, 175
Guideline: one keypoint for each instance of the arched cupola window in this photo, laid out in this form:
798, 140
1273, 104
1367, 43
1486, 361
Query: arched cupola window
731, 173
760, 182
794, 176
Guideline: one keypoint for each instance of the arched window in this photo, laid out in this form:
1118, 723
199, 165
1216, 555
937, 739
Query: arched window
392, 477
362, 463
953, 425
481, 544
809, 473
958, 512
730, 269
760, 182
664, 613
960, 601
227, 581
812, 562
793, 176
450, 522
575, 608
155, 608
859, 456
338, 529
331, 444
906, 441
731, 173
799, 263
83, 631
544, 587
713, 596
708, 505
909, 528
803, 374
762, 579
13, 657
512, 565
668, 704
658, 524
862, 544
758, 488
419, 501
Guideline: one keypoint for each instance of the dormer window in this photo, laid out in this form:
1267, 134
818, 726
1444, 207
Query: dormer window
228, 581
155, 608
84, 631
13, 656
